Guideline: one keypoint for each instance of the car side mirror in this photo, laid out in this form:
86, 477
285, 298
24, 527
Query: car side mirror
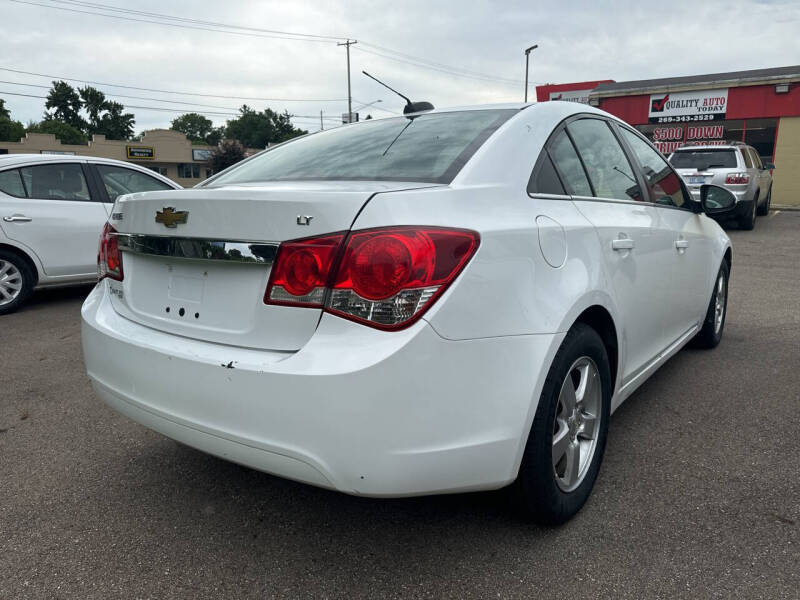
769, 166
716, 200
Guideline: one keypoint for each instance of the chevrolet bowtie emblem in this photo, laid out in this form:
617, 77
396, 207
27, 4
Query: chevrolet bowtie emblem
170, 218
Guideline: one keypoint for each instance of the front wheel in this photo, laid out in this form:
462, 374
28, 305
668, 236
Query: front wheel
711, 333
16, 281
568, 436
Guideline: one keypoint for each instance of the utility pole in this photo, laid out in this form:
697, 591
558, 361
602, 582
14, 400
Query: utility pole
527, 58
321, 126
347, 44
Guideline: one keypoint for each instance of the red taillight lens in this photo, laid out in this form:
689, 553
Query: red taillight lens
109, 258
385, 277
300, 271
737, 178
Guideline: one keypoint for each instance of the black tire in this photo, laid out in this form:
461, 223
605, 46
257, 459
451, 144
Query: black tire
763, 210
710, 335
536, 490
748, 221
27, 276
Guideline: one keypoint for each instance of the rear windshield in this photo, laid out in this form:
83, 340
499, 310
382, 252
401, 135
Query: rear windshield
703, 159
430, 148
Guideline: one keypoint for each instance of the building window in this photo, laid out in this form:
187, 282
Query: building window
157, 169
188, 171
760, 134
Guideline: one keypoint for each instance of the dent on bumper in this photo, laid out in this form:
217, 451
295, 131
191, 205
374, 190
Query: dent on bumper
358, 410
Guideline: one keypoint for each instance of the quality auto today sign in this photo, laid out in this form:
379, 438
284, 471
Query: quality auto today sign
678, 107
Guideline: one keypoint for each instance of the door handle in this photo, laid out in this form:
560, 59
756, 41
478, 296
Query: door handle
622, 244
681, 244
17, 219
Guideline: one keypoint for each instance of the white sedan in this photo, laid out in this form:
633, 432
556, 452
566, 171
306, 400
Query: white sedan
52, 210
447, 301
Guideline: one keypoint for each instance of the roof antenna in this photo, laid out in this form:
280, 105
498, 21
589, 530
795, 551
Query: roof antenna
410, 107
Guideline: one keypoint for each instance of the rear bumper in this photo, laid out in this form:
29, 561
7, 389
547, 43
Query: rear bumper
357, 410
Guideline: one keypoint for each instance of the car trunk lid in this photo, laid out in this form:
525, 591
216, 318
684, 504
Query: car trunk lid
196, 262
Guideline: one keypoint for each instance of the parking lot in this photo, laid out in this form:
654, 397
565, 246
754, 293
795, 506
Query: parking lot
697, 497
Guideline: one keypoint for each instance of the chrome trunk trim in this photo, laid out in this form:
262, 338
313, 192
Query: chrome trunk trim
262, 253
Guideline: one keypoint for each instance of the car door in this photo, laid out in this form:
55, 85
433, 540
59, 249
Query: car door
682, 229
607, 191
763, 175
57, 217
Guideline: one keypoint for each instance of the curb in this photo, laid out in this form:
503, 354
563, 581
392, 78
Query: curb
780, 207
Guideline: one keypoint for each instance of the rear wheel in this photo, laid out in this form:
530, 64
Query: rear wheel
763, 210
568, 436
711, 333
16, 281
748, 221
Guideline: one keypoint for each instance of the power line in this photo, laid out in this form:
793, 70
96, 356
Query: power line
242, 33
164, 109
106, 7
143, 89
182, 22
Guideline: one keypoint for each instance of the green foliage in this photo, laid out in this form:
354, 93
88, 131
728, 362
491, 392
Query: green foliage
104, 117
66, 105
11, 131
197, 128
226, 154
258, 129
66, 133
4, 112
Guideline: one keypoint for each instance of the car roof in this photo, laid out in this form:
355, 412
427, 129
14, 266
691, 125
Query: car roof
8, 160
708, 147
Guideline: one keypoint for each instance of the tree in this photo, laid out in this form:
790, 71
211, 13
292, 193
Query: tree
66, 105
115, 124
258, 129
66, 133
194, 126
10, 131
226, 154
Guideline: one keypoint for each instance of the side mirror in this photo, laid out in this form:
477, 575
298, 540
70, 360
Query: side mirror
769, 166
716, 200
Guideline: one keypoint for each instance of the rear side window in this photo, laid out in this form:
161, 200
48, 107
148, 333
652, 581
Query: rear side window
429, 148
544, 179
119, 180
608, 167
663, 183
11, 183
703, 159
748, 160
569, 166
61, 181
755, 158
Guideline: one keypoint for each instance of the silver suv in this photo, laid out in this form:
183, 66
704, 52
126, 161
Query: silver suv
735, 166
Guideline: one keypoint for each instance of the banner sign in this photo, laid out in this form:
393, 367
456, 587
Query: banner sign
669, 138
677, 107
581, 96
140, 151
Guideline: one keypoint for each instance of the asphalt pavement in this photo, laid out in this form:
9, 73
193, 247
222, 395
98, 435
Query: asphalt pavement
698, 496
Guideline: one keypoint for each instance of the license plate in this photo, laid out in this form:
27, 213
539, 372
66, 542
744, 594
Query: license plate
697, 180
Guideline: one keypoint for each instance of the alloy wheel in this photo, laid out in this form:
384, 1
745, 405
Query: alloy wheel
720, 294
577, 423
10, 282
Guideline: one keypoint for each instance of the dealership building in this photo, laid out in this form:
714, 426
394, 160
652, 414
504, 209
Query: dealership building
759, 107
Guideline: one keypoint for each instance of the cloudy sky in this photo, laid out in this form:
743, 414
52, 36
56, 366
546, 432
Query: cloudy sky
450, 53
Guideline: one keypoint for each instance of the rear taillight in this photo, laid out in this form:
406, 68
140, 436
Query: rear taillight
737, 178
301, 271
386, 278
109, 258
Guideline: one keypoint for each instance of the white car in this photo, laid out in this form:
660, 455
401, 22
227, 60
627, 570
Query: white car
448, 301
52, 210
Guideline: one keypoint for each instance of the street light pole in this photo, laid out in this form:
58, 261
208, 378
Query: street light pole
527, 59
347, 44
